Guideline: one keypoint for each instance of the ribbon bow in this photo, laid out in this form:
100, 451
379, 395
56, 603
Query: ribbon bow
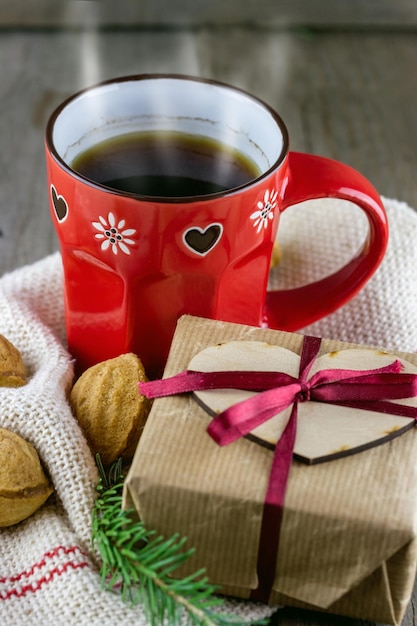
367, 389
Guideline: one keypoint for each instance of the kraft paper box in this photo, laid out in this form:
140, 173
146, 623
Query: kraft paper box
347, 542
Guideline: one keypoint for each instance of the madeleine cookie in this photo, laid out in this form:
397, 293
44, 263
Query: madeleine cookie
109, 408
24, 486
12, 369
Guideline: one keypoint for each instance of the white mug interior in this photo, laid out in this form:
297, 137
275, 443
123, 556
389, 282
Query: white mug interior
167, 103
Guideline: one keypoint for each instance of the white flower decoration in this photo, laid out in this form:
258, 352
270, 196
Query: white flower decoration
265, 211
112, 234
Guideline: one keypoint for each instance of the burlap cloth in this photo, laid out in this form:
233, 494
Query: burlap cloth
48, 570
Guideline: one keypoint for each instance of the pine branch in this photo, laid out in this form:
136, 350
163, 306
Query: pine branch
141, 563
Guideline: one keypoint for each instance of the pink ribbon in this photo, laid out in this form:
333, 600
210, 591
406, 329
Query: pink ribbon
366, 389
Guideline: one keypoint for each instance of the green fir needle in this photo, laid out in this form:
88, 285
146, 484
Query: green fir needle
141, 563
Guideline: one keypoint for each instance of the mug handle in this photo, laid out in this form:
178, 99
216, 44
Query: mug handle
311, 177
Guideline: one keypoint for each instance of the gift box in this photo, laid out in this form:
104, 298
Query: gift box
296, 480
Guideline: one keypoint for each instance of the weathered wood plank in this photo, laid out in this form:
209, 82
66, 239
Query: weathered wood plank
271, 13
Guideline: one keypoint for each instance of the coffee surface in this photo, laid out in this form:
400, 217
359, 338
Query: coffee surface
165, 164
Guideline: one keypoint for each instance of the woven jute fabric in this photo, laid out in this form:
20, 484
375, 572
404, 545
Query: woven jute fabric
49, 571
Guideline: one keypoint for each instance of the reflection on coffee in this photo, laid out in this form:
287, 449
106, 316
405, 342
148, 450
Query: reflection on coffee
165, 164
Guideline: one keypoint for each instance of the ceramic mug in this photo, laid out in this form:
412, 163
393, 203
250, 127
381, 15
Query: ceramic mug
136, 261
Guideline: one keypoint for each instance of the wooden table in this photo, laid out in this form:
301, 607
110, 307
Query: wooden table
347, 94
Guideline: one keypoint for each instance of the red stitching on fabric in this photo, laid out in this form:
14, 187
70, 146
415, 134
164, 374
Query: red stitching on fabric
47, 578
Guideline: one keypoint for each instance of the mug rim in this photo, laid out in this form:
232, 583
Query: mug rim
164, 199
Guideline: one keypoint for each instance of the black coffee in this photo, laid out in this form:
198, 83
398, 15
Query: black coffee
165, 164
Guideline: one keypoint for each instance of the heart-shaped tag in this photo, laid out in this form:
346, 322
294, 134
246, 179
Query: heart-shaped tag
325, 431
202, 240
60, 205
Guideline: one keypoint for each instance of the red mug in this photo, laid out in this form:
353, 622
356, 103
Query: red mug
136, 260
